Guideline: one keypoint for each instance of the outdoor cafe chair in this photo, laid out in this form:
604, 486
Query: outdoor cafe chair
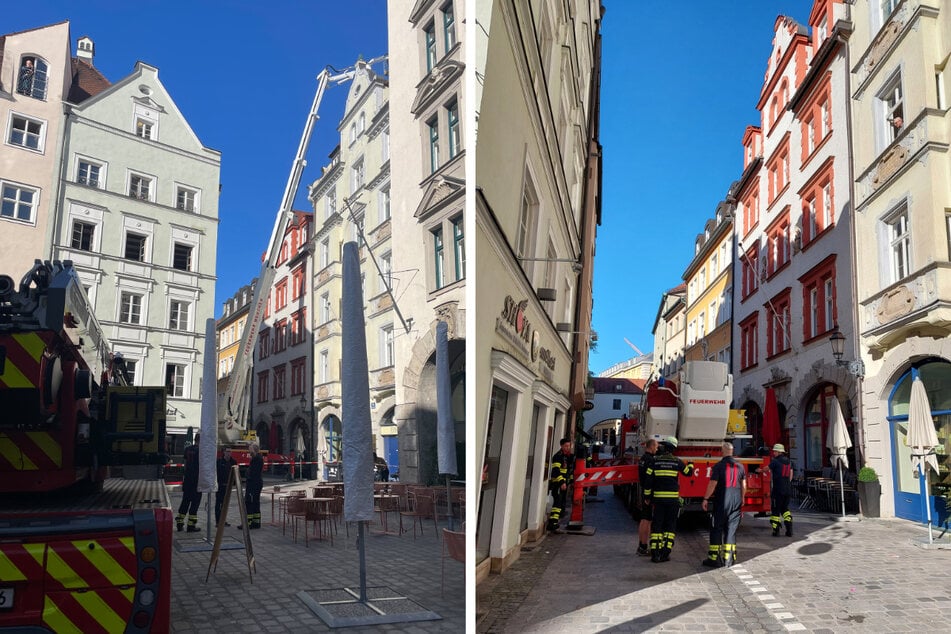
295, 510
282, 506
453, 545
423, 509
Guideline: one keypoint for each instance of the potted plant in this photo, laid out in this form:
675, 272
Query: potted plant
870, 492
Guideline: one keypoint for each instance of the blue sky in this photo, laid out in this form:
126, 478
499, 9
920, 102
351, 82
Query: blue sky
677, 92
243, 73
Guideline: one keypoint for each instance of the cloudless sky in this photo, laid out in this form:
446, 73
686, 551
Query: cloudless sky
679, 86
243, 73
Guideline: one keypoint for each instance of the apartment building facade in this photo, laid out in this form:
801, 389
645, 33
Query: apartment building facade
137, 212
537, 207
794, 218
670, 333
900, 76
351, 202
427, 106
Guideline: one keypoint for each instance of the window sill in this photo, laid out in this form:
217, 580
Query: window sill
817, 237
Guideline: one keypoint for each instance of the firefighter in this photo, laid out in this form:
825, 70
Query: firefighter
252, 491
644, 527
781, 472
223, 467
662, 488
562, 470
191, 497
727, 489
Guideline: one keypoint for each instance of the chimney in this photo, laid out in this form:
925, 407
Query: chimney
85, 49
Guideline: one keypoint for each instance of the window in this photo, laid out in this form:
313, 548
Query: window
701, 326
899, 244
280, 294
178, 315
264, 344
130, 369
438, 257
778, 242
330, 207
32, 78
361, 123
140, 187
817, 200
777, 324
262, 386
386, 346
135, 244
88, 174
182, 256
298, 370
353, 133
280, 335
358, 227
185, 199
83, 233
130, 308
323, 366
430, 35
143, 128
749, 341
297, 282
357, 175
818, 296
750, 261
26, 132
384, 204
325, 253
279, 375
778, 170
750, 212
325, 308
526, 220
459, 248
455, 140
888, 6
893, 108
175, 379
386, 269
298, 321
385, 145
433, 125
449, 26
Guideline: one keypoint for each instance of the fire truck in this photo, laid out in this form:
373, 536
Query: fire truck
699, 416
85, 522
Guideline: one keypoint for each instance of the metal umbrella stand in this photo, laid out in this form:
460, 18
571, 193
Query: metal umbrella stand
838, 442
922, 438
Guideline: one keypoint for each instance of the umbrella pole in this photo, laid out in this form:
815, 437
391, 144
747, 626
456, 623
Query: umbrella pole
928, 508
449, 502
842, 488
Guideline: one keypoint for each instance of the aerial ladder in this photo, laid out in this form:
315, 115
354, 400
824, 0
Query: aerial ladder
233, 409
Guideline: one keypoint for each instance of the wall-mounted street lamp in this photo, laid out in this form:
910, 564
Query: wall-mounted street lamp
576, 266
837, 340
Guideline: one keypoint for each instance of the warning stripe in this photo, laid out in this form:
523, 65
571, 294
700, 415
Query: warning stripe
22, 366
19, 562
75, 565
29, 451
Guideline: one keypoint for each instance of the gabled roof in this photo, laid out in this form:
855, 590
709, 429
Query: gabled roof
87, 81
603, 385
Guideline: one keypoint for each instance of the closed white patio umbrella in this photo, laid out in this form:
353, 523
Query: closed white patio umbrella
838, 442
922, 438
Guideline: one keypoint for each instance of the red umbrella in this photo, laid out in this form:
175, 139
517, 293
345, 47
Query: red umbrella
272, 437
771, 434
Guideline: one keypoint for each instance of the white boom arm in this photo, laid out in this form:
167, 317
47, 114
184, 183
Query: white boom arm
233, 410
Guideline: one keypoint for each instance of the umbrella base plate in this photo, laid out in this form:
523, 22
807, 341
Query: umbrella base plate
342, 607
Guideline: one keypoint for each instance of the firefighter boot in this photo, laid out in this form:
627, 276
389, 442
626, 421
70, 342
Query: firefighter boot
775, 521
787, 518
729, 555
713, 557
193, 524
180, 522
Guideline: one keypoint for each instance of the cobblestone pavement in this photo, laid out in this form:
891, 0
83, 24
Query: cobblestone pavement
833, 576
231, 602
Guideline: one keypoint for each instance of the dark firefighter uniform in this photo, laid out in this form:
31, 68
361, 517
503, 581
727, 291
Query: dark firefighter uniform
644, 503
562, 472
662, 488
223, 467
191, 497
781, 472
252, 492
729, 476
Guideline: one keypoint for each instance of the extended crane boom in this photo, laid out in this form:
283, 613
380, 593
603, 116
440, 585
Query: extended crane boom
233, 410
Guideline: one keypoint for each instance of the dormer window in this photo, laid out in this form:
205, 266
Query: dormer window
143, 128
32, 77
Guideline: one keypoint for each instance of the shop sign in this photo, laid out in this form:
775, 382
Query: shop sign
514, 323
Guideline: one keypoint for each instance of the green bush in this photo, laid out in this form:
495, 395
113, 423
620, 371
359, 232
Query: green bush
867, 474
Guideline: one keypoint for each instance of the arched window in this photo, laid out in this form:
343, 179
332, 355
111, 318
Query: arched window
816, 426
32, 77
334, 435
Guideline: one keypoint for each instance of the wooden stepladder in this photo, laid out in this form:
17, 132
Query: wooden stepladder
234, 477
